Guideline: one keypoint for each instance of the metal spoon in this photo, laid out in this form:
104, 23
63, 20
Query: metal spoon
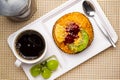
90, 11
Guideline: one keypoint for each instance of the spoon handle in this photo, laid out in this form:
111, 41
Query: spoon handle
104, 30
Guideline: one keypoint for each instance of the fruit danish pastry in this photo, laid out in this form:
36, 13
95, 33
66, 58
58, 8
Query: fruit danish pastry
73, 32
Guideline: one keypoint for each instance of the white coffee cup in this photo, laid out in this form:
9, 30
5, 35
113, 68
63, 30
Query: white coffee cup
20, 59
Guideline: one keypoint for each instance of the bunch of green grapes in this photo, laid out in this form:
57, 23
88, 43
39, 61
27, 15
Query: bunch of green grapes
45, 68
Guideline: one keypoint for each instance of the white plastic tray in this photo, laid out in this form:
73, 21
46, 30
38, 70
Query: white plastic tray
67, 62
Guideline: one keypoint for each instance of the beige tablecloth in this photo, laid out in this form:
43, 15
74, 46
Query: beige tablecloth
105, 65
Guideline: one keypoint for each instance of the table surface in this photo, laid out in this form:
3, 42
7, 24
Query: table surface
105, 65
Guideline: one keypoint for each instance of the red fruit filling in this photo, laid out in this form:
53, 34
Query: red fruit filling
72, 30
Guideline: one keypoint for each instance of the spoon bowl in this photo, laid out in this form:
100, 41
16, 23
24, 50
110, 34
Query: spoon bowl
88, 9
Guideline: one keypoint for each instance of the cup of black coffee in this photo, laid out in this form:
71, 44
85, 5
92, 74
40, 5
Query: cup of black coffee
29, 47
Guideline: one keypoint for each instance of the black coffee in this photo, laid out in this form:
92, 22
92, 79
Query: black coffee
30, 45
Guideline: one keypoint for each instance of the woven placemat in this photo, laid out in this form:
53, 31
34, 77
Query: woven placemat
105, 65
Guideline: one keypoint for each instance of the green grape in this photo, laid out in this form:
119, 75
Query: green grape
46, 73
35, 70
52, 65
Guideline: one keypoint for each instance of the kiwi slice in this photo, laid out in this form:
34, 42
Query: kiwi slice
82, 44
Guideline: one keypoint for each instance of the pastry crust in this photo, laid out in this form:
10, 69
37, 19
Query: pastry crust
60, 25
